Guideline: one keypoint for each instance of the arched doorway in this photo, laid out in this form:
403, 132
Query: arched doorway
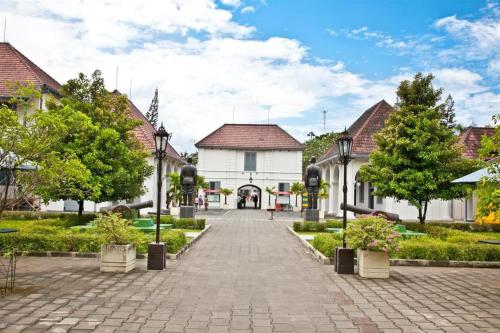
245, 197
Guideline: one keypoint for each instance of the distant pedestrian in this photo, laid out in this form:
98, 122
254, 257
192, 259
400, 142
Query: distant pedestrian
206, 202
255, 199
196, 203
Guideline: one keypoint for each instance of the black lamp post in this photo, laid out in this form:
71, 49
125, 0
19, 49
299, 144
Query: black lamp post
344, 258
156, 251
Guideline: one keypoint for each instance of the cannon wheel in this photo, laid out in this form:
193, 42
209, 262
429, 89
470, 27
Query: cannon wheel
124, 211
381, 214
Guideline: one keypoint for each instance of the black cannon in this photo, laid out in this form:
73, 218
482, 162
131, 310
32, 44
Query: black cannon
129, 211
368, 211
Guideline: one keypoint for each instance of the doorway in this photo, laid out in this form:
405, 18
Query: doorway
246, 196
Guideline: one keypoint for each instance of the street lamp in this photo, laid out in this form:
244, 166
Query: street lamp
344, 258
156, 251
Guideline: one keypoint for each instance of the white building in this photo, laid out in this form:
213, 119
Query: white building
247, 158
15, 67
360, 193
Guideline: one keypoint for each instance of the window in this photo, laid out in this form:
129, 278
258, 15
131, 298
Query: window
380, 200
250, 161
214, 185
283, 187
362, 192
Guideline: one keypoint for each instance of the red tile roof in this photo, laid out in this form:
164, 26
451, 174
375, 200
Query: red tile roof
15, 67
363, 129
144, 133
250, 136
471, 139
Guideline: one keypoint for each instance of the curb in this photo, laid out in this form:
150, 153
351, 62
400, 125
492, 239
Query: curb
322, 259
171, 256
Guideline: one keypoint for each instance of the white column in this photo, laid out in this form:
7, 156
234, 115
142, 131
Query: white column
323, 176
331, 191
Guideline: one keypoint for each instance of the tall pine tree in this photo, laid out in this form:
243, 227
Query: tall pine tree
152, 114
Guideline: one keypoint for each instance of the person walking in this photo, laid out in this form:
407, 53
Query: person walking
255, 199
206, 202
196, 203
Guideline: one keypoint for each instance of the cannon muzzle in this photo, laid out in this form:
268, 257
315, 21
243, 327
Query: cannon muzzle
138, 205
368, 211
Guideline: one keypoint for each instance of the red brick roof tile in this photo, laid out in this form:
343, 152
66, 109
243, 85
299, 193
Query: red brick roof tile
471, 139
250, 136
15, 67
363, 129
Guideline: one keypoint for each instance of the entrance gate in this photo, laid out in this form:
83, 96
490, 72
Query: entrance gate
245, 195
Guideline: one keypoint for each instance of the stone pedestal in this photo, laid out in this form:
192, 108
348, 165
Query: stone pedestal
373, 264
187, 212
344, 261
156, 256
117, 258
311, 215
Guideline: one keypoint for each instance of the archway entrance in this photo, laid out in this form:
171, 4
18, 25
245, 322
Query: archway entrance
246, 195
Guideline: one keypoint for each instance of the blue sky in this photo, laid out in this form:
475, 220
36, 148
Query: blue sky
286, 59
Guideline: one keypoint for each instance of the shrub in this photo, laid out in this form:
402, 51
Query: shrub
184, 223
372, 233
115, 230
174, 239
67, 219
464, 226
309, 226
326, 243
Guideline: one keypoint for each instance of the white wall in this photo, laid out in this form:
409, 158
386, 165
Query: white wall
227, 166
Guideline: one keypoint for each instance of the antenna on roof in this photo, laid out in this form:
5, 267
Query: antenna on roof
116, 82
324, 120
4, 29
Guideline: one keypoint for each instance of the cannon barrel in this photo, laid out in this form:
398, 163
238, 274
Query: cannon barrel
368, 211
138, 205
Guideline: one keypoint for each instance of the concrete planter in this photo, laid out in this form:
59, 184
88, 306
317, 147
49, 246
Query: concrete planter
117, 258
296, 209
373, 264
321, 214
175, 211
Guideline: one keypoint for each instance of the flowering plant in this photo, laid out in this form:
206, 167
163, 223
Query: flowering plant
373, 234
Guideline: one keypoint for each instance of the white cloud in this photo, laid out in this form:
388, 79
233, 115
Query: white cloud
202, 79
232, 3
248, 10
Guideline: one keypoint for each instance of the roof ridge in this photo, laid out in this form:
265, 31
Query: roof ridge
363, 126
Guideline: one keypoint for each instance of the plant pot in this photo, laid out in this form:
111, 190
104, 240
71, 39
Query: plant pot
373, 264
296, 209
321, 214
175, 211
117, 258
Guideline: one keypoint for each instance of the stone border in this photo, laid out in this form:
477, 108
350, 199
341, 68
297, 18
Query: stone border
315, 253
402, 262
171, 256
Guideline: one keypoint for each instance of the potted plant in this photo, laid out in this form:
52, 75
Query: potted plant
225, 192
118, 251
297, 189
373, 238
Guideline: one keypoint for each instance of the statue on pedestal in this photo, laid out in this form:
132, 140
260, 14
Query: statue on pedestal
312, 182
188, 182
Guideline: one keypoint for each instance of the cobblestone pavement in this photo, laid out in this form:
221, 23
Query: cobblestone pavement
247, 276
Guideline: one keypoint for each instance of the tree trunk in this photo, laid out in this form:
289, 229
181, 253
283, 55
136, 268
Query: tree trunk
269, 203
296, 199
80, 207
225, 200
3, 204
422, 211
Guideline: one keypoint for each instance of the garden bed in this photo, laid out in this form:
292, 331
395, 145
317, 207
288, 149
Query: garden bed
51, 235
444, 246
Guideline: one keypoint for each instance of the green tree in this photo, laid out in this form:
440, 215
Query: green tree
152, 114
270, 190
96, 130
317, 146
323, 189
417, 155
175, 190
226, 192
297, 189
488, 188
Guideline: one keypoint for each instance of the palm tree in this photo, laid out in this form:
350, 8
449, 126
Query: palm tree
175, 191
297, 189
323, 190
226, 192
200, 183
270, 190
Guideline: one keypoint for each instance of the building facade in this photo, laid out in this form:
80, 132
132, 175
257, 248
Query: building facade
247, 159
17, 68
360, 193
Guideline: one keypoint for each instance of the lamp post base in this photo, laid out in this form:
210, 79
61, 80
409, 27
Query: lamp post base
344, 260
156, 256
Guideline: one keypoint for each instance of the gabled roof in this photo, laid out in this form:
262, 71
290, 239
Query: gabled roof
471, 139
250, 136
363, 129
15, 67
144, 133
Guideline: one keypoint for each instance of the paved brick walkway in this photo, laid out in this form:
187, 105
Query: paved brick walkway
248, 276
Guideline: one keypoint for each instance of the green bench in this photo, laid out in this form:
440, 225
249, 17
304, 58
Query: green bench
334, 230
147, 225
405, 233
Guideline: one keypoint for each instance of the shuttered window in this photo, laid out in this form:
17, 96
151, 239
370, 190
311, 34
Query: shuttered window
250, 161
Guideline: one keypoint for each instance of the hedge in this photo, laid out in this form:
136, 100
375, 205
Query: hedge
463, 226
183, 223
68, 219
316, 226
326, 243
43, 237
